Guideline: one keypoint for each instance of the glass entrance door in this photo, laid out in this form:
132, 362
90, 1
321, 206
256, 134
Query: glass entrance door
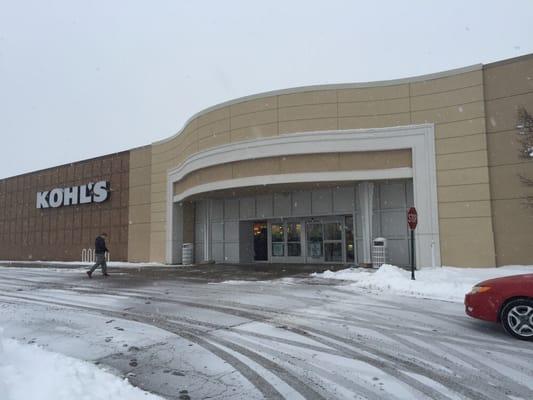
349, 239
325, 240
333, 242
294, 239
286, 239
278, 239
315, 242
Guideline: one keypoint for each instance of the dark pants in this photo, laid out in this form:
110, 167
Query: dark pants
100, 261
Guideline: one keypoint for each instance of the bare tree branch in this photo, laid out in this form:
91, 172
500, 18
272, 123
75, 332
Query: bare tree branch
524, 127
525, 180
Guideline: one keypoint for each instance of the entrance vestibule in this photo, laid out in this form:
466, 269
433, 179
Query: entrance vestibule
321, 224
327, 239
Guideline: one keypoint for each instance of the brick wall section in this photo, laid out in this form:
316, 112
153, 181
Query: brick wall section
28, 233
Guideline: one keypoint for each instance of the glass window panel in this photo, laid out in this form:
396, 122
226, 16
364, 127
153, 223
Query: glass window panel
278, 249
294, 249
277, 233
333, 251
314, 232
314, 240
349, 240
332, 231
294, 232
314, 249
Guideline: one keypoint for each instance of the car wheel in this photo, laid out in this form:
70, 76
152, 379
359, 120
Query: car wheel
517, 318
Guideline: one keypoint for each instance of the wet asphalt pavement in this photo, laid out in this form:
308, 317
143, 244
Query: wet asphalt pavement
200, 273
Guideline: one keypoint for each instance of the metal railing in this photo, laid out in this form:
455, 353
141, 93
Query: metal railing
89, 255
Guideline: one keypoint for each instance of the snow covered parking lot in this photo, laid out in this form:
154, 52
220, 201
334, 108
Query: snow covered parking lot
296, 338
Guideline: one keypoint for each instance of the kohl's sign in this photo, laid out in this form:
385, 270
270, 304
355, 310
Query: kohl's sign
90, 193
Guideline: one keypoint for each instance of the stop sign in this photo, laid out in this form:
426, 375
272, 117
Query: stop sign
412, 218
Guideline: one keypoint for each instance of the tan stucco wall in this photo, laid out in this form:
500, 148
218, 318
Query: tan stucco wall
139, 200
325, 162
454, 103
509, 85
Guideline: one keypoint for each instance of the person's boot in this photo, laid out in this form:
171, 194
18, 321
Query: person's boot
89, 273
106, 274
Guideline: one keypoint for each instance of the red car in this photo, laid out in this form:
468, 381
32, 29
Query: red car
508, 300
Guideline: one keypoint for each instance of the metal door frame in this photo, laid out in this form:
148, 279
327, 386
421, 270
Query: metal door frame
323, 220
286, 258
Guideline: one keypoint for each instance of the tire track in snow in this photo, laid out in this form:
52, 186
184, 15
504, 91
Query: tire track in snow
244, 313
390, 369
393, 365
465, 375
319, 371
194, 336
272, 315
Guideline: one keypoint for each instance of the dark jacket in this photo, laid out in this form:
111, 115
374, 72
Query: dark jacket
99, 245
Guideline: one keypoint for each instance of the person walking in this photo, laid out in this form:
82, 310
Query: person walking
99, 250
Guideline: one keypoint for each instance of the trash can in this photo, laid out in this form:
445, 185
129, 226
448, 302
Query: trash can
379, 252
187, 253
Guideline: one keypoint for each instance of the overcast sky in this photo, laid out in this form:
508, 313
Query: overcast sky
79, 79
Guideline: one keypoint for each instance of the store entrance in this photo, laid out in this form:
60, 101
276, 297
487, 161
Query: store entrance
260, 241
312, 240
325, 241
286, 241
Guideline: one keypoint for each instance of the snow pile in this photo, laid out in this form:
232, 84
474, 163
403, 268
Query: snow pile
29, 373
446, 283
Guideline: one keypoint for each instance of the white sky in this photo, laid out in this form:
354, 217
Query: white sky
79, 79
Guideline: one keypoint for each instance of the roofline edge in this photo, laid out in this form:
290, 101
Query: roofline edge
334, 86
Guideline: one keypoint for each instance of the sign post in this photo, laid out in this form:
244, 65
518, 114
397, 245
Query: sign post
412, 220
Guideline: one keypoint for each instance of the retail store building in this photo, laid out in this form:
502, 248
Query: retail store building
305, 175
